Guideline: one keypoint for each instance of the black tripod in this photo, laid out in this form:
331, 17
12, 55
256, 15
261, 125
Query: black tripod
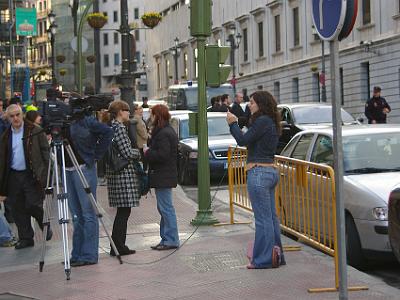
57, 175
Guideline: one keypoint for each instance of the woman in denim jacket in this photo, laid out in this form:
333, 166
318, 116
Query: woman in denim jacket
261, 140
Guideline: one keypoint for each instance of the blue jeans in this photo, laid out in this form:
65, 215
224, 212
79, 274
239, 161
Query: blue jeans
261, 183
5, 232
168, 225
85, 240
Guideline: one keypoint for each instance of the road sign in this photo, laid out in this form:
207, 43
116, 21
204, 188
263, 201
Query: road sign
350, 19
26, 21
328, 17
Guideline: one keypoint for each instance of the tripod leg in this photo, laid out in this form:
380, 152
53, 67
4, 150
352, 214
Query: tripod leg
62, 199
91, 198
47, 212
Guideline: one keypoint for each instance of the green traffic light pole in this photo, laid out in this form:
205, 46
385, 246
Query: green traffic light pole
200, 19
79, 46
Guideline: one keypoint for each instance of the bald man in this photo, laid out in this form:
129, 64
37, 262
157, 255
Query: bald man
24, 158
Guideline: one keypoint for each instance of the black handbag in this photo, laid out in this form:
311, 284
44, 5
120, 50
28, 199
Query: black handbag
144, 185
113, 158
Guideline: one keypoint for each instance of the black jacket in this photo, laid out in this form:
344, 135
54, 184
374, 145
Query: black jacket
162, 158
242, 116
374, 110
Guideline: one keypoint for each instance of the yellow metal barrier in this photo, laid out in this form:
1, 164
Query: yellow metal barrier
304, 198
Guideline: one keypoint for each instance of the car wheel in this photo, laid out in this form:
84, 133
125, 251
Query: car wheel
355, 257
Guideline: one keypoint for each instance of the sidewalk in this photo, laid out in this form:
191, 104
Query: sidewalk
211, 265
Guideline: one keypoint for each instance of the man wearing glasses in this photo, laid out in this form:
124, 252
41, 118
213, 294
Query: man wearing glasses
24, 158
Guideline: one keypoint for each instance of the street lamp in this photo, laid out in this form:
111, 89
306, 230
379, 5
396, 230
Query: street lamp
176, 50
143, 64
234, 42
51, 33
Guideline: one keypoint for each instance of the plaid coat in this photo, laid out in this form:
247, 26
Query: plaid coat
123, 187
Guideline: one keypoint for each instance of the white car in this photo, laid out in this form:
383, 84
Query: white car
372, 171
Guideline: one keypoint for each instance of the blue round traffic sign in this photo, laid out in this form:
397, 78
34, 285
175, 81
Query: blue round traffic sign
328, 17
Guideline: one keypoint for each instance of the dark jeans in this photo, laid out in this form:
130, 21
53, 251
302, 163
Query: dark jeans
27, 201
120, 227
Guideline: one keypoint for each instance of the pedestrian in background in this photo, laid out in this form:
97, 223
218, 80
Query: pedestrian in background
163, 174
225, 103
89, 139
24, 159
238, 111
6, 235
122, 187
261, 140
34, 117
376, 108
141, 132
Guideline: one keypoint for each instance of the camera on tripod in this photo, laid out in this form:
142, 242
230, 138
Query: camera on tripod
59, 114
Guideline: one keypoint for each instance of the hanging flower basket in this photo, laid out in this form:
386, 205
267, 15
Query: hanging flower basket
91, 58
151, 19
60, 58
63, 72
97, 20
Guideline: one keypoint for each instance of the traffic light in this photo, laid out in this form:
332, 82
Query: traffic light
216, 71
200, 17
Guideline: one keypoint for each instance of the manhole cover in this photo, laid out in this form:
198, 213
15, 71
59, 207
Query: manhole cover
9, 296
220, 261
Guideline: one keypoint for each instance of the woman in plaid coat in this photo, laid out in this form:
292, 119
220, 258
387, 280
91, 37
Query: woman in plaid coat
123, 187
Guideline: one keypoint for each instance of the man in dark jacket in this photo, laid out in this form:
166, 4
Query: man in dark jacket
238, 111
24, 159
376, 108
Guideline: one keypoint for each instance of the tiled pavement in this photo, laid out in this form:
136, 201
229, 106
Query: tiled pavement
211, 265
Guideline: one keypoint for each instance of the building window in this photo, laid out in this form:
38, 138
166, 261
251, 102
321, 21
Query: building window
277, 91
116, 38
260, 39
341, 86
295, 90
366, 11
277, 33
137, 35
137, 56
136, 13
167, 72
296, 27
159, 75
365, 81
116, 59
245, 46
115, 16
185, 65
44, 5
106, 60
105, 39
40, 6
316, 92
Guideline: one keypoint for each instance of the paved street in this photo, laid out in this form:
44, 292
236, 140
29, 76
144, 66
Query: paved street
210, 265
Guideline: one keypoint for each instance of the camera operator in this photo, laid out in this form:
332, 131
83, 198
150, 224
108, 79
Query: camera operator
89, 140
24, 157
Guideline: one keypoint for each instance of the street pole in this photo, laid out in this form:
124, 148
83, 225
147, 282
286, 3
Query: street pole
233, 48
53, 61
338, 167
79, 46
323, 88
12, 50
201, 28
97, 63
126, 75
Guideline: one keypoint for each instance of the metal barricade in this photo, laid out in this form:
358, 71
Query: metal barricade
304, 198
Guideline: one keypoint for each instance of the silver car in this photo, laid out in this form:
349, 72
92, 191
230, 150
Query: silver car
372, 171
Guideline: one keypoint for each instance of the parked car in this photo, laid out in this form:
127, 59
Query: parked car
219, 140
394, 221
371, 171
297, 117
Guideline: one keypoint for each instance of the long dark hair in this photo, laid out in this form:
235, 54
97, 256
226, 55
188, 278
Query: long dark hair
161, 116
266, 106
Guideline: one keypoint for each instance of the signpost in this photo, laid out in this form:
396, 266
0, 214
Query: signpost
26, 21
334, 21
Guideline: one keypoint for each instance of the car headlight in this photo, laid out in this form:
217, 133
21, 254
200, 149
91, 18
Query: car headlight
193, 154
380, 213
